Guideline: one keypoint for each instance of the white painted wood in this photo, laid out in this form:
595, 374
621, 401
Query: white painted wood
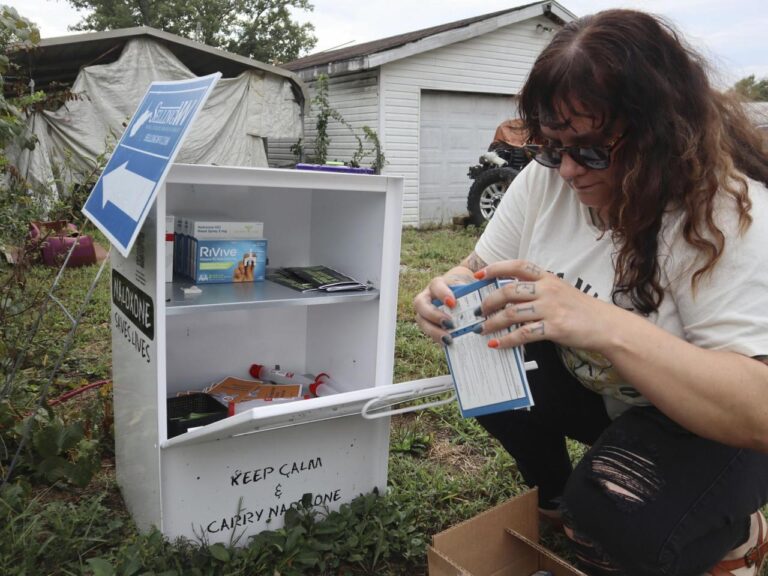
495, 63
455, 128
259, 476
193, 485
490, 57
455, 35
137, 362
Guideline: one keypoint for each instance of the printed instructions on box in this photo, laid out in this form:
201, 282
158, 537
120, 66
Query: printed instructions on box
487, 380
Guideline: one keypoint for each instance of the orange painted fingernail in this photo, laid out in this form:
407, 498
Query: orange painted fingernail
450, 302
480, 274
493, 343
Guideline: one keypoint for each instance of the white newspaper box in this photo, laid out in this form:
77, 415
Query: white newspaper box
238, 476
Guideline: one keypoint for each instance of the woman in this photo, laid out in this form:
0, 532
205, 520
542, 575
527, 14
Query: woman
639, 245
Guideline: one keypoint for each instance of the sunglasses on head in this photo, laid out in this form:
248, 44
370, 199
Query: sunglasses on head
592, 157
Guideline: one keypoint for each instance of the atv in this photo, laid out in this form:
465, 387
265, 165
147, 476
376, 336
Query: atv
495, 171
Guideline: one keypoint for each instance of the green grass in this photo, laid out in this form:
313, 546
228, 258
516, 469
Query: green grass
435, 454
63, 513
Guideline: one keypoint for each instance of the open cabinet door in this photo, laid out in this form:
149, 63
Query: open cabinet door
370, 403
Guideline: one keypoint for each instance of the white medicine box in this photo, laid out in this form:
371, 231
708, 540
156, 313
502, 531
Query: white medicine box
240, 474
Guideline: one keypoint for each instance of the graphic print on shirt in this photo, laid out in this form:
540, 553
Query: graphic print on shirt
593, 369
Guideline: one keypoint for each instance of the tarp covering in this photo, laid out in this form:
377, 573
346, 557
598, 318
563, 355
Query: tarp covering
758, 113
230, 129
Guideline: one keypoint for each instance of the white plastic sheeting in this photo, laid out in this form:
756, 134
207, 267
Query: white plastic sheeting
230, 130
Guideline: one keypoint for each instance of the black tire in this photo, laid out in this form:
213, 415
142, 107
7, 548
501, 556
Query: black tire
486, 192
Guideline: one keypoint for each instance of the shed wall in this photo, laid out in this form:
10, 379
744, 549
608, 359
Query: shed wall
356, 98
494, 63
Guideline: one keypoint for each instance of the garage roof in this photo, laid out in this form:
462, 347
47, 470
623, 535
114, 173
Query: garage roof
552, 10
58, 60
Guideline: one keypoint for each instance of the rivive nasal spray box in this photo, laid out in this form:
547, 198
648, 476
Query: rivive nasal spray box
220, 261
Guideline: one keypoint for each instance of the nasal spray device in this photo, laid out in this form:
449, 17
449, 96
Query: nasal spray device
277, 376
323, 386
320, 385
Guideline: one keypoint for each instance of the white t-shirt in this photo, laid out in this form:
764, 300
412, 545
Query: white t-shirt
540, 219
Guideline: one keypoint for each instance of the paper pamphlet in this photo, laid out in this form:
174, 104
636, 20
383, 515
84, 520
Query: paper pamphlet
487, 380
315, 278
238, 390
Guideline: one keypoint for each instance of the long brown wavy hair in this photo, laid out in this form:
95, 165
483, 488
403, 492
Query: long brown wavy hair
684, 142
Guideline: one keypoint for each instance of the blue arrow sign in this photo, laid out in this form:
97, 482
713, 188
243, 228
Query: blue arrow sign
121, 199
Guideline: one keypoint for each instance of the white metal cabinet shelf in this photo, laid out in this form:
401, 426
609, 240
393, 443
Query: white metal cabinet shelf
239, 475
257, 295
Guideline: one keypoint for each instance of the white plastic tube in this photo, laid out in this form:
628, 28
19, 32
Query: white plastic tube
279, 376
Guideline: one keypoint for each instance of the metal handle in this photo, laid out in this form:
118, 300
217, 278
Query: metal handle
430, 386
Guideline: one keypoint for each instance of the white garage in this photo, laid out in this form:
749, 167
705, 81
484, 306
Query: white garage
434, 97
454, 128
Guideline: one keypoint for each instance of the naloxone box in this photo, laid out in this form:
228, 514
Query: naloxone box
221, 261
502, 540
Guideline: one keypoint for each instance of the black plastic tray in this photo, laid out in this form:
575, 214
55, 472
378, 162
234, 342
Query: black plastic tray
181, 407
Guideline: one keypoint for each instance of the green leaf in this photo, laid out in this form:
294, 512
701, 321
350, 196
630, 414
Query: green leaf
131, 567
307, 557
101, 567
294, 535
328, 527
54, 468
220, 552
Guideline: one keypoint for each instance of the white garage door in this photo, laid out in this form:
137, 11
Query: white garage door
455, 128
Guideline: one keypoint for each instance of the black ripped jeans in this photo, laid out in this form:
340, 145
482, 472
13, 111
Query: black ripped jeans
649, 497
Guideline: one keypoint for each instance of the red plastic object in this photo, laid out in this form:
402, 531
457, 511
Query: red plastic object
54, 240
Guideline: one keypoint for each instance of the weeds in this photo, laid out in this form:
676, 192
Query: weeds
372, 535
46, 535
326, 113
81, 527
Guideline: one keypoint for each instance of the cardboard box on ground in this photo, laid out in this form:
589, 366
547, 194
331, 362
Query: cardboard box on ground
502, 541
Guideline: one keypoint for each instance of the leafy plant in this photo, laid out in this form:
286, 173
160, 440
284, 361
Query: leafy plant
410, 442
262, 29
44, 535
25, 289
297, 149
74, 183
58, 450
42, 444
436, 457
326, 113
18, 34
379, 160
752, 89
370, 535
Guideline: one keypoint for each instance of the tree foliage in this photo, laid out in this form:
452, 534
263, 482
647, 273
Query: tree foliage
16, 34
261, 29
751, 89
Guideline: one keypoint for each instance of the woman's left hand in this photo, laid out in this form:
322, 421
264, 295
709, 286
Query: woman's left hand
545, 307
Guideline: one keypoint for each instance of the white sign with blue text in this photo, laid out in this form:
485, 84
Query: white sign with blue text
121, 199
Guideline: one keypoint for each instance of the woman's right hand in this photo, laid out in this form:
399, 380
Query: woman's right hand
433, 321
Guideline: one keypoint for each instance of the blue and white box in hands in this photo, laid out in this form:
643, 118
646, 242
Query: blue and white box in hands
487, 380
225, 261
